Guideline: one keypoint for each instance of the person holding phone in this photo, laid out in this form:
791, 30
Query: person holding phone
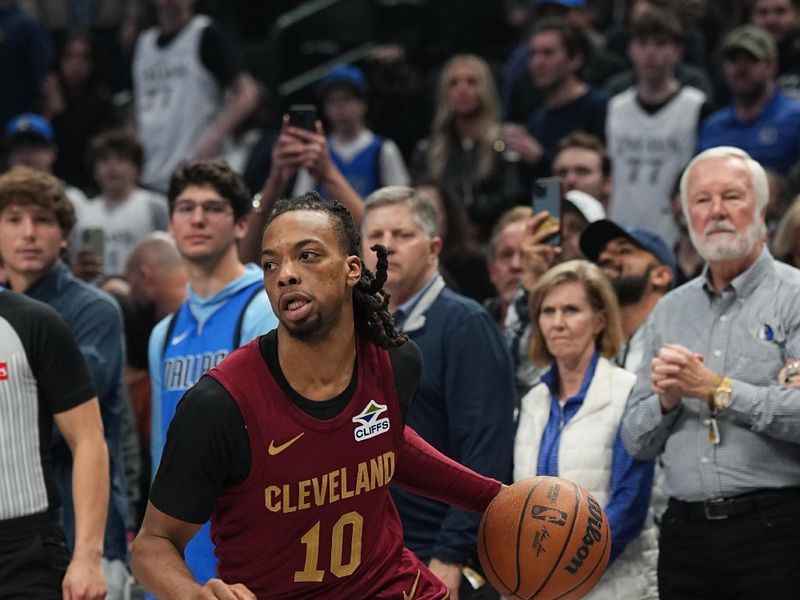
368, 161
298, 146
539, 253
122, 214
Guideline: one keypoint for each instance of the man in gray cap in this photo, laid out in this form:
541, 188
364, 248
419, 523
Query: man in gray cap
760, 120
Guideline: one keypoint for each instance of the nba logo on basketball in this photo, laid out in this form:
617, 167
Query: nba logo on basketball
3, 371
370, 423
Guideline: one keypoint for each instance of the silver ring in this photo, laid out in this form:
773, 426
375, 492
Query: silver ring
791, 371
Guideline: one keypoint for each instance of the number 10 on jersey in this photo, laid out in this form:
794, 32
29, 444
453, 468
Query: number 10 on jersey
351, 521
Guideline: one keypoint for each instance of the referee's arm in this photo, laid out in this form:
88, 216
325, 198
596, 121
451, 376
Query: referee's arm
82, 428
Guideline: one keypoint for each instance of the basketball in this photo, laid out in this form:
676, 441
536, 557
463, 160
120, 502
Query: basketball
544, 538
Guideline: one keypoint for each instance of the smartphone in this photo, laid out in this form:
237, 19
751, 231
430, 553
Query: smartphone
94, 240
547, 196
303, 116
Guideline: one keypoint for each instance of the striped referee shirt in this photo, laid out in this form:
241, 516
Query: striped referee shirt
746, 333
42, 373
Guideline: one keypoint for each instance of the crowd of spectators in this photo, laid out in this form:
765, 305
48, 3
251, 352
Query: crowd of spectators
464, 103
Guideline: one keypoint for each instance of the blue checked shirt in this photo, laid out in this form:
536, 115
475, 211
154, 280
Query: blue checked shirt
746, 333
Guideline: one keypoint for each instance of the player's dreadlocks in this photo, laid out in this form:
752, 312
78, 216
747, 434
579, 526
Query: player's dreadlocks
370, 300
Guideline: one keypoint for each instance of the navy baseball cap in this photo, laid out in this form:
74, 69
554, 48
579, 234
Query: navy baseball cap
346, 75
30, 125
597, 235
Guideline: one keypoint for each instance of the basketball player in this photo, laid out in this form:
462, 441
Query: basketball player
289, 445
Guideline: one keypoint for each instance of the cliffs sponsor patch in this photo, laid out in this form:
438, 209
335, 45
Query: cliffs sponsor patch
370, 422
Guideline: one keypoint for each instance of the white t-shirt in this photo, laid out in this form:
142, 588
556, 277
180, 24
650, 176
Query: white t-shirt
124, 224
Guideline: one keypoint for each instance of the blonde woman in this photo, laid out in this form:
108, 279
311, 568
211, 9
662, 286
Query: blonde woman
465, 152
569, 422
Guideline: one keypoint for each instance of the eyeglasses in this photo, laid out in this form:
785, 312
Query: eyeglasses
213, 209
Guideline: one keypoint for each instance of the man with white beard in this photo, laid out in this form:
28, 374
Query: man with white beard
708, 397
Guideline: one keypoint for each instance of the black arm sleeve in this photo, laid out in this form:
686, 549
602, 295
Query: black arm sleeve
207, 449
406, 363
219, 55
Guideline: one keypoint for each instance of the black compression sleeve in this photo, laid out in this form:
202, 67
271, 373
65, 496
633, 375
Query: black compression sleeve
406, 363
207, 449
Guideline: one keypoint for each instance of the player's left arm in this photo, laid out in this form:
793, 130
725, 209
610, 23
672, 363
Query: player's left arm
631, 487
421, 468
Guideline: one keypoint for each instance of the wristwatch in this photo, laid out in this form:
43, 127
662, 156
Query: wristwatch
719, 398
258, 208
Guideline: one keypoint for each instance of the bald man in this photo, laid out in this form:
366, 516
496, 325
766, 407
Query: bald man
157, 275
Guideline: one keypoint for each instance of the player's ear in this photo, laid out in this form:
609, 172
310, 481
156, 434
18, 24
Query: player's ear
353, 270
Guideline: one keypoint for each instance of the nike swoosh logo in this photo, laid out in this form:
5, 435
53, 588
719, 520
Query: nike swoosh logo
413, 591
274, 450
179, 338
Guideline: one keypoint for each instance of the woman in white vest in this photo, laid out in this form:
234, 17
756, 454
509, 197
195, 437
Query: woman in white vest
569, 421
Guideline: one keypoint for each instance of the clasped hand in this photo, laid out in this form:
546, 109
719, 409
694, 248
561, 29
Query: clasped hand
676, 372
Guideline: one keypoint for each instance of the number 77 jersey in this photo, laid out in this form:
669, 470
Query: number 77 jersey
314, 518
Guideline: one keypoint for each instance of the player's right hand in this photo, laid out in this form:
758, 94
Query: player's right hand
216, 589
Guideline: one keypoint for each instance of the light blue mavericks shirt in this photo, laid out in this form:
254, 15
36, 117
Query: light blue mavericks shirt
182, 348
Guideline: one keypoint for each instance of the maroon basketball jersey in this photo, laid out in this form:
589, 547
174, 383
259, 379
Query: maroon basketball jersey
314, 518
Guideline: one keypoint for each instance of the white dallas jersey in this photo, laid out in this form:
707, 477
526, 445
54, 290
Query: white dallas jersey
648, 152
177, 98
124, 225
